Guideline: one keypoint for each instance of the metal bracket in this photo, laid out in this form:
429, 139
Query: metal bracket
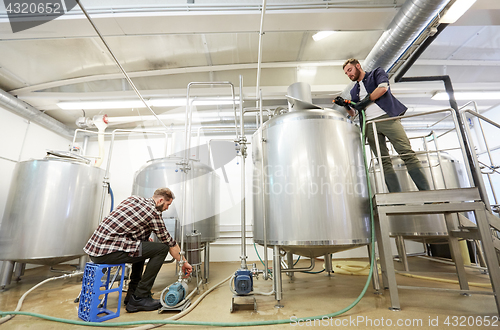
247, 302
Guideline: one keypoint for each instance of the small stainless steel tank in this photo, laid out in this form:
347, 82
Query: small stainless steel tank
51, 212
202, 191
446, 174
309, 182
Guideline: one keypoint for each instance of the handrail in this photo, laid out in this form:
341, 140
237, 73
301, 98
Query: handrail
453, 114
463, 114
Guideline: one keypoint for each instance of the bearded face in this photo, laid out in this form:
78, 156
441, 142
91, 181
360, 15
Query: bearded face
160, 207
352, 72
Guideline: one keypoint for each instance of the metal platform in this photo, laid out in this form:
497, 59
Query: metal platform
450, 202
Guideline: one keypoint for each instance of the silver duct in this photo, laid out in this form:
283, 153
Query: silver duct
34, 115
413, 17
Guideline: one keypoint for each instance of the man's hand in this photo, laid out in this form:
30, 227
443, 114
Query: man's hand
339, 100
346, 104
186, 269
361, 105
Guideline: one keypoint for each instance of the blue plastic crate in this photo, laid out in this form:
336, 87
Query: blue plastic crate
95, 284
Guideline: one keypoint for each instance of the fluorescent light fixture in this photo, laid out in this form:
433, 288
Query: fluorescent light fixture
456, 11
322, 35
307, 71
468, 96
161, 102
199, 116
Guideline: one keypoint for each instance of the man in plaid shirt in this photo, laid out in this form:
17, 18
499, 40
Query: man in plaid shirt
123, 237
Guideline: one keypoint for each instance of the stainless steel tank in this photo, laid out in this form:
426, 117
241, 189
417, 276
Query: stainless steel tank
51, 211
446, 174
202, 213
309, 179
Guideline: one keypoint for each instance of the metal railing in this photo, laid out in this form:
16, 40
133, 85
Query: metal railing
426, 140
486, 169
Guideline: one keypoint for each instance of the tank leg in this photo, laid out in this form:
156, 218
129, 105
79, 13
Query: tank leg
400, 244
328, 264
289, 260
7, 268
277, 276
82, 261
375, 278
19, 271
206, 263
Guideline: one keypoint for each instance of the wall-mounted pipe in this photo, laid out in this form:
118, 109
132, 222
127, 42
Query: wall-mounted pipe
23, 109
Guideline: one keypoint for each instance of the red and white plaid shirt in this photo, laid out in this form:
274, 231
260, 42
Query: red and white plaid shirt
127, 226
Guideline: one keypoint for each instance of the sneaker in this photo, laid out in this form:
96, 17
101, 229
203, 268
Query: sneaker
136, 304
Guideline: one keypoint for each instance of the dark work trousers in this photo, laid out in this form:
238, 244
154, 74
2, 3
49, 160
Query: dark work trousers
394, 131
155, 252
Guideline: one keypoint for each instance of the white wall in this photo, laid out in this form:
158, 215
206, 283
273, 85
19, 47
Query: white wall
20, 141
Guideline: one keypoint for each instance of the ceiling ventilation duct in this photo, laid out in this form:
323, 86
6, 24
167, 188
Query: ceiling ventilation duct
34, 115
413, 17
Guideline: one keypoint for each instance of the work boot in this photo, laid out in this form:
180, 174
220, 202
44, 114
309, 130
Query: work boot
418, 176
130, 292
392, 182
137, 304
127, 296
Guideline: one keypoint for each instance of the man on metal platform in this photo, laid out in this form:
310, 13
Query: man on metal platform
372, 94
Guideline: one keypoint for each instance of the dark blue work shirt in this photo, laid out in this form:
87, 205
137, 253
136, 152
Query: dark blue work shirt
387, 102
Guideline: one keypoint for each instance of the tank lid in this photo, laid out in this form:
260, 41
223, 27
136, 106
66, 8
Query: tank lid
299, 97
66, 155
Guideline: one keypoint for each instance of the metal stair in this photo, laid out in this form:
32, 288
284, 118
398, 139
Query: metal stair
451, 203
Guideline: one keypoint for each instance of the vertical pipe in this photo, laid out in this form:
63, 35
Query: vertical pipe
260, 107
243, 200
85, 144
264, 215
259, 59
277, 276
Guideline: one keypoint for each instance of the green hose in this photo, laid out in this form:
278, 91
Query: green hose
238, 324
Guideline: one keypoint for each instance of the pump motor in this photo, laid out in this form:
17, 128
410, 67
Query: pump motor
243, 281
176, 293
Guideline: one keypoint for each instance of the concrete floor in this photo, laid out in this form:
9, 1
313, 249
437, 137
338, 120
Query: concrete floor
305, 296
